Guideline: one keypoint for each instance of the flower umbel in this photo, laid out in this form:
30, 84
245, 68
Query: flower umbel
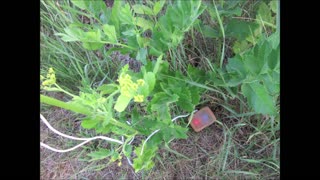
138, 98
49, 80
140, 82
128, 87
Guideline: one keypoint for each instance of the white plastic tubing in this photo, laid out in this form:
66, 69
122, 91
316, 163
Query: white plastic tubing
86, 140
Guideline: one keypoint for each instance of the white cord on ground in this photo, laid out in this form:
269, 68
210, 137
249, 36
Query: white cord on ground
183, 116
71, 137
63, 151
75, 138
57, 132
131, 140
148, 139
86, 140
129, 161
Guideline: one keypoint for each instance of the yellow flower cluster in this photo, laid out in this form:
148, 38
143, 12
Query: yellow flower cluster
138, 98
140, 82
130, 88
50, 78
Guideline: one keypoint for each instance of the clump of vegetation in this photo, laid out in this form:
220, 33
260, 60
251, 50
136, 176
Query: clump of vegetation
137, 105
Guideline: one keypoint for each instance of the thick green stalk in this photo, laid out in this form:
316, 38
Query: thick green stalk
55, 102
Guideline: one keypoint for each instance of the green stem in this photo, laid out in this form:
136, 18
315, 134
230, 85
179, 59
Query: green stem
223, 35
194, 84
111, 95
55, 102
118, 44
62, 90
123, 125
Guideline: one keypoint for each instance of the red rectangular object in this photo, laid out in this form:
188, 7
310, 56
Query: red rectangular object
202, 118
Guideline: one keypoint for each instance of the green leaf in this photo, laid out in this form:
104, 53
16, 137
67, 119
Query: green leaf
178, 19
89, 123
135, 117
240, 46
155, 52
231, 12
157, 65
72, 34
142, 55
115, 156
274, 39
88, 100
259, 98
105, 16
261, 51
240, 29
127, 150
129, 32
103, 130
97, 8
109, 115
107, 88
195, 95
100, 154
142, 9
150, 79
160, 104
119, 130
253, 64
209, 32
236, 66
197, 75
185, 100
158, 6
179, 132
110, 31
145, 24
142, 42
125, 15
108, 112
256, 60
274, 59
132, 41
92, 40
67, 38
273, 5
144, 160
114, 18
264, 13
122, 103
275, 76
92, 36
271, 83
80, 4
92, 46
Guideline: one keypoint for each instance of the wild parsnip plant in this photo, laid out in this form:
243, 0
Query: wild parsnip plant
139, 104
116, 108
